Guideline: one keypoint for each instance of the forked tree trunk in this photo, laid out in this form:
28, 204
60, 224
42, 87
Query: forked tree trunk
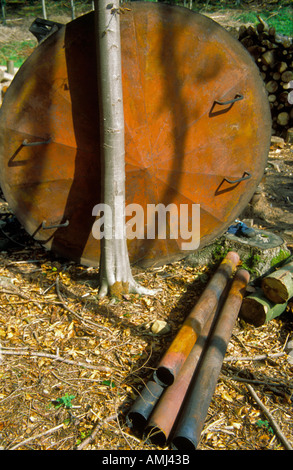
115, 272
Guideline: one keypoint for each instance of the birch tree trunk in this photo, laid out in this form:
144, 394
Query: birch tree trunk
44, 9
115, 272
72, 9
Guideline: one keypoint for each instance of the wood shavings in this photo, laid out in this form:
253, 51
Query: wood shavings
103, 354
58, 338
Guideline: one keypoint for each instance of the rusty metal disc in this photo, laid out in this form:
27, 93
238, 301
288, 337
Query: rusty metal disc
197, 129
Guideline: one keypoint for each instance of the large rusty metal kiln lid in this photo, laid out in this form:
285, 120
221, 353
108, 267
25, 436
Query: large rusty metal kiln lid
197, 129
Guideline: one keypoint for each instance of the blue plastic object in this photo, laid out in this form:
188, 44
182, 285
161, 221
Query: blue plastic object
242, 230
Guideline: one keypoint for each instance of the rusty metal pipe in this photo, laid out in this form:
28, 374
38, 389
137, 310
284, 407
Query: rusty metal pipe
164, 415
191, 420
192, 327
143, 406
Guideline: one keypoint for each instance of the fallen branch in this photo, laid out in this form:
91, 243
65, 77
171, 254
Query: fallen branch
22, 295
273, 386
260, 357
96, 429
38, 436
245, 380
275, 426
55, 357
22, 302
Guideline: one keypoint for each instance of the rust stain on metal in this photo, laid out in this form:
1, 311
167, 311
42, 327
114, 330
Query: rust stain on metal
188, 137
184, 341
143, 406
186, 334
190, 423
162, 419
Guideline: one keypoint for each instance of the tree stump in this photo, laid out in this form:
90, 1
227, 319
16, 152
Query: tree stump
258, 254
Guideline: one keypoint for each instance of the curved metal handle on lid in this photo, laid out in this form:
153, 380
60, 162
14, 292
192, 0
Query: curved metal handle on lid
248, 175
48, 227
238, 97
25, 143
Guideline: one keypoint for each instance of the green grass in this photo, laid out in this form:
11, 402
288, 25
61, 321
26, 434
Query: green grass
16, 51
281, 19
34, 8
19, 51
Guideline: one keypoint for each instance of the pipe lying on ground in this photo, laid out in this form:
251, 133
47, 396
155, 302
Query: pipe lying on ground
173, 396
164, 415
143, 406
194, 411
192, 327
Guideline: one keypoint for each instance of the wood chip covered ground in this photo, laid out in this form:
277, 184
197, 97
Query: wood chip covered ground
72, 365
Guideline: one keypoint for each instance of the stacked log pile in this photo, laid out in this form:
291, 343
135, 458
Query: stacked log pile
273, 54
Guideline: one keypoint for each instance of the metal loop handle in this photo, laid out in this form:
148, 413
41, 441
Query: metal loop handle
65, 224
248, 175
238, 97
25, 143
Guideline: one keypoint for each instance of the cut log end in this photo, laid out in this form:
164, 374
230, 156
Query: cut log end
275, 290
257, 310
278, 286
253, 312
273, 56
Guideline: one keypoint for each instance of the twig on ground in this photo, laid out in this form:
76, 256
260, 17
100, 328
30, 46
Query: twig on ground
22, 295
38, 436
56, 357
260, 357
96, 429
275, 387
275, 426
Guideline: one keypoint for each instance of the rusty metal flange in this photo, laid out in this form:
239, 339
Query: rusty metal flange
197, 129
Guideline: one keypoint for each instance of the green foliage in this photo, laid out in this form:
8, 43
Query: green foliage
264, 424
219, 252
109, 383
279, 16
281, 256
247, 17
83, 436
281, 19
250, 263
16, 51
64, 401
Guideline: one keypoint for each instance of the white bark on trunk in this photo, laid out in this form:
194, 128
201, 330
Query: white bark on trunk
44, 9
115, 271
72, 9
